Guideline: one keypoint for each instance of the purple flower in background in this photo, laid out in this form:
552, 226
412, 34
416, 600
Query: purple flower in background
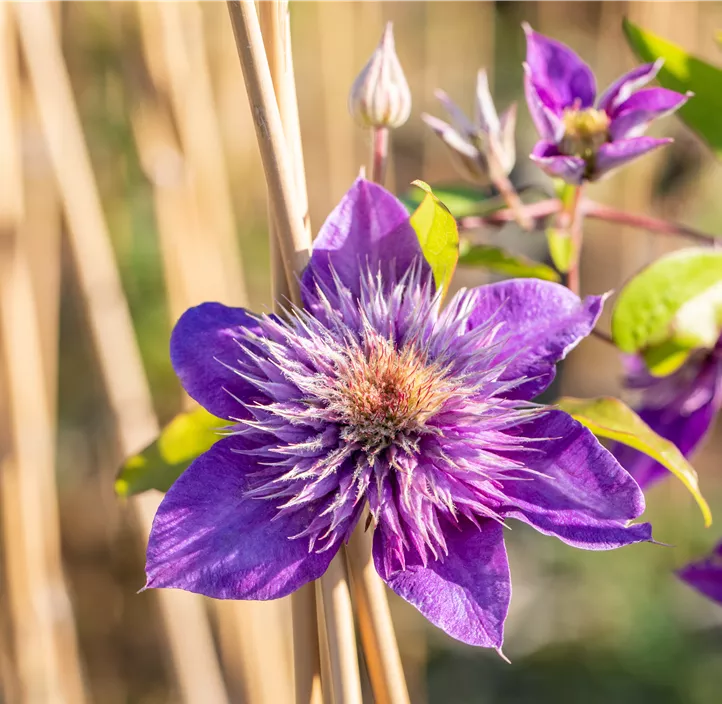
679, 407
706, 575
374, 397
580, 141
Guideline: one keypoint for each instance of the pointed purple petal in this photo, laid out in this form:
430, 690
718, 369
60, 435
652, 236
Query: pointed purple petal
634, 115
203, 341
208, 538
542, 323
681, 408
543, 112
615, 154
625, 85
368, 227
569, 168
705, 575
467, 593
582, 495
558, 71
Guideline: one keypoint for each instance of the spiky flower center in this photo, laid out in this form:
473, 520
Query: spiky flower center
584, 132
383, 394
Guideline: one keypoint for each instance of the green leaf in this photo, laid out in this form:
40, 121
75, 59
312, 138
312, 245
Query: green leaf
671, 307
561, 248
461, 200
683, 72
438, 235
504, 262
610, 418
186, 437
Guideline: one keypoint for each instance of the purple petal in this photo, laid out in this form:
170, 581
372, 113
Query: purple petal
680, 410
203, 341
582, 494
615, 154
542, 323
208, 538
545, 115
569, 168
368, 227
634, 115
705, 575
558, 71
624, 86
467, 592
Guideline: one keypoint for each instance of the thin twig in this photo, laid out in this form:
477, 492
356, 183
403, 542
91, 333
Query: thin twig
341, 633
111, 326
276, 35
277, 165
377, 631
535, 211
607, 213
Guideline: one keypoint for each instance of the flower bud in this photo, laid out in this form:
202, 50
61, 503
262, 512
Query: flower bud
380, 95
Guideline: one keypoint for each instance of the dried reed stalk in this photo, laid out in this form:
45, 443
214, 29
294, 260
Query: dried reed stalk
48, 660
294, 247
277, 165
275, 27
111, 326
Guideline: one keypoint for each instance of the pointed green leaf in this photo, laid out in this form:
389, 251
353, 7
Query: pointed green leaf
670, 308
186, 437
438, 235
461, 200
610, 418
683, 72
560, 248
503, 262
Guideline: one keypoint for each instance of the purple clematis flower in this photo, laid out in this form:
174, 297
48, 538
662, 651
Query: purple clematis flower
373, 397
705, 575
679, 407
578, 140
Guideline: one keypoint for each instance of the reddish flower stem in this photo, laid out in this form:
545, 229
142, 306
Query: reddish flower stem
535, 211
379, 154
576, 232
645, 222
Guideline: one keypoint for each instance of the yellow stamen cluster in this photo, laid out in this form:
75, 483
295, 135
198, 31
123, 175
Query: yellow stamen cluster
584, 132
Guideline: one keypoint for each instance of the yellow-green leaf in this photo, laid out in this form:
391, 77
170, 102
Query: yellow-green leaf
610, 418
671, 307
504, 262
186, 437
560, 248
438, 236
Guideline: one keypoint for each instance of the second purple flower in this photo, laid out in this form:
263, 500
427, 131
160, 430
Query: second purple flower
582, 137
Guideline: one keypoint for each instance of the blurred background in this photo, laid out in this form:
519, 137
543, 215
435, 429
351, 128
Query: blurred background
140, 192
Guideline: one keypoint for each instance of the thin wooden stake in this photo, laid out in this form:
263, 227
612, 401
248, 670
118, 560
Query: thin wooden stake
277, 165
111, 326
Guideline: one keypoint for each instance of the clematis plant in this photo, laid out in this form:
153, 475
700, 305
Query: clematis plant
680, 407
374, 401
705, 575
583, 138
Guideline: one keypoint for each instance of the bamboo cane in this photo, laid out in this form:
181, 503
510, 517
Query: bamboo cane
111, 326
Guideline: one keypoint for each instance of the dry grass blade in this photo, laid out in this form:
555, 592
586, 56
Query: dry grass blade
111, 326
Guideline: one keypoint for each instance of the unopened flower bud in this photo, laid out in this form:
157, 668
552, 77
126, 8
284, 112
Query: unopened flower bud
380, 95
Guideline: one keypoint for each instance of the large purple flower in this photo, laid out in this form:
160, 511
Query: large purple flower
679, 407
706, 575
578, 140
372, 396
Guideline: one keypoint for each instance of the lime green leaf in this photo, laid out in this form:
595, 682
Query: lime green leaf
503, 262
610, 418
438, 235
461, 200
162, 462
671, 307
560, 248
683, 72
